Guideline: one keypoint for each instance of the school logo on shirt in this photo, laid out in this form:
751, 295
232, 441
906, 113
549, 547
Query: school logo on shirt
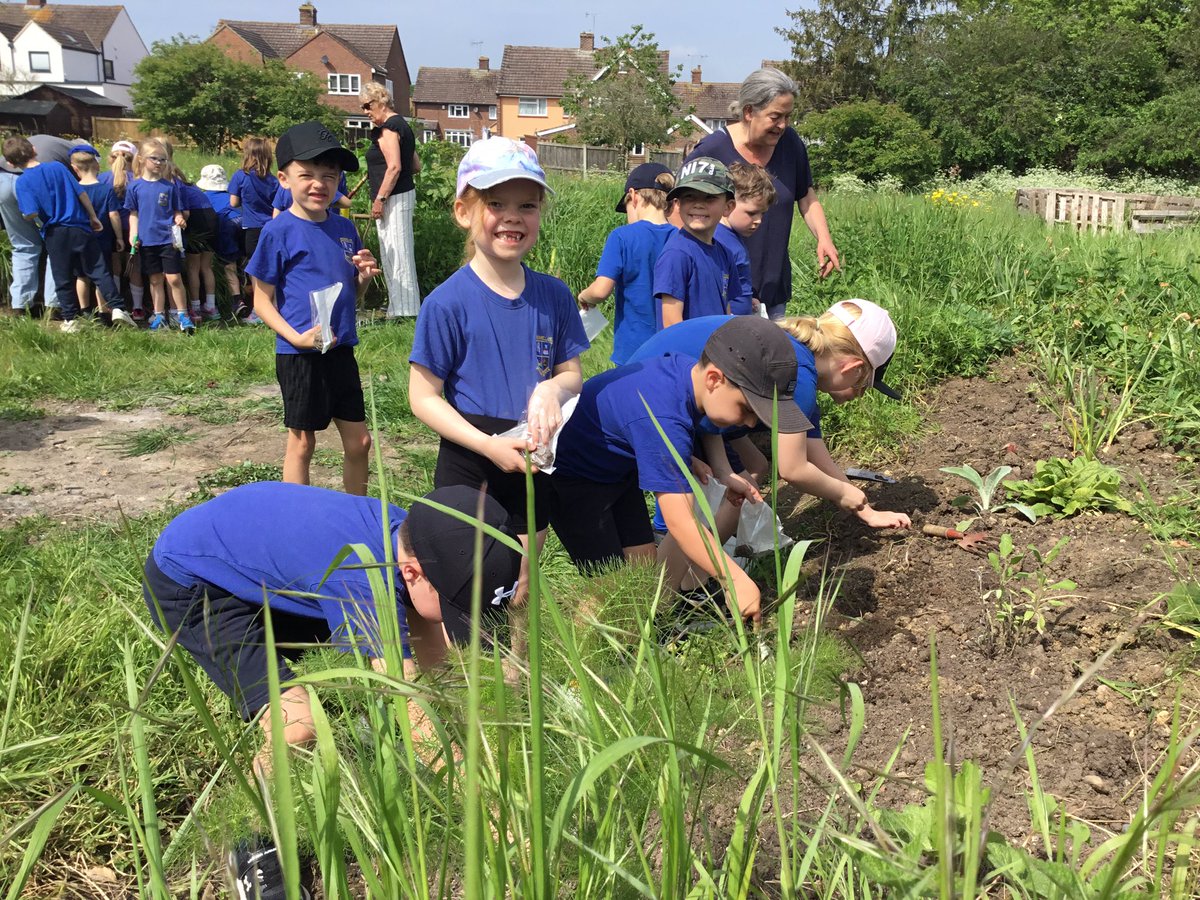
347, 248
544, 348
164, 199
725, 286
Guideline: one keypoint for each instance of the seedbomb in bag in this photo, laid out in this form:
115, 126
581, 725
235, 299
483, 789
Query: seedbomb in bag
594, 322
321, 303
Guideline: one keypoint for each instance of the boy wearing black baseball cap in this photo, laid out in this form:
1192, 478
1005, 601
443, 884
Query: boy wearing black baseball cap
309, 270
610, 450
626, 265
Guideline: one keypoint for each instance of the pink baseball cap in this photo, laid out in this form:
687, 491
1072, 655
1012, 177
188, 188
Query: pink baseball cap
875, 333
495, 160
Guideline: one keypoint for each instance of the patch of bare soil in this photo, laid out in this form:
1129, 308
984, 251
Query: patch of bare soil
900, 589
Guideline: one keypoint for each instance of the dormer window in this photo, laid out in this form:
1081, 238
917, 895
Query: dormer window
39, 61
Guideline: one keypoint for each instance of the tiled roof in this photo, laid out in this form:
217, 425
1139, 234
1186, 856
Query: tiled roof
88, 25
84, 96
26, 107
279, 40
710, 99
442, 85
541, 71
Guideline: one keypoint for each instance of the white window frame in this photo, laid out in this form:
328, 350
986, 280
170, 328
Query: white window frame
343, 83
539, 104
49, 65
714, 124
110, 71
458, 110
460, 136
359, 123
493, 112
428, 135
637, 150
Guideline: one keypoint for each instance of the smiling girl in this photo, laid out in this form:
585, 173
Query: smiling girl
497, 343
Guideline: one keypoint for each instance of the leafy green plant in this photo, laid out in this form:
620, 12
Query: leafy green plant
1016, 608
1062, 488
19, 489
245, 472
985, 497
16, 411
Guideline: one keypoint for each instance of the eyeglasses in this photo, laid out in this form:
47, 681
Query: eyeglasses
157, 159
367, 106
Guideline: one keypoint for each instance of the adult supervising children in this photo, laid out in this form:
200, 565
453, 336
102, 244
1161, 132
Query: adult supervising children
626, 266
693, 274
305, 256
610, 450
214, 567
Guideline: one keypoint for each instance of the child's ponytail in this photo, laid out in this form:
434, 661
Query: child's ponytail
122, 162
825, 334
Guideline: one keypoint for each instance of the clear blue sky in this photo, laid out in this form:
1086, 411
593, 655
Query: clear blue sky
728, 40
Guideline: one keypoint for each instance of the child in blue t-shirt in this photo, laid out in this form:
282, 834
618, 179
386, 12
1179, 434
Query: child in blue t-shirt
626, 266
198, 239
251, 189
619, 443
48, 194
753, 194
86, 166
228, 242
304, 258
155, 210
497, 343
693, 274
118, 176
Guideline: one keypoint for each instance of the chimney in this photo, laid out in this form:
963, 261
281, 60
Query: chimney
587, 40
308, 15
484, 63
696, 76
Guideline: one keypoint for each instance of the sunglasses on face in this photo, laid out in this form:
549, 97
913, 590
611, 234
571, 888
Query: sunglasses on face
367, 107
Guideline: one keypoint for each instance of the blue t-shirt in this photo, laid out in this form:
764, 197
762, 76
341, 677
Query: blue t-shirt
256, 194
770, 265
283, 537
155, 203
689, 338
50, 191
192, 197
611, 434
298, 257
283, 197
697, 273
741, 295
229, 225
490, 351
106, 177
628, 259
104, 201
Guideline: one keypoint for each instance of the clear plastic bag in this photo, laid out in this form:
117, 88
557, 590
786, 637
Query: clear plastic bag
757, 528
593, 322
321, 303
543, 457
177, 237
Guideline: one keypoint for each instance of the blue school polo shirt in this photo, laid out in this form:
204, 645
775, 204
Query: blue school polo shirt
229, 225
298, 257
191, 197
611, 434
741, 295
155, 203
259, 540
256, 194
491, 352
689, 338
630, 253
697, 273
104, 201
50, 191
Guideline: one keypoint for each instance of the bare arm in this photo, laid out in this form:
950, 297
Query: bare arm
264, 307
546, 402
389, 146
819, 455
814, 217
672, 310
114, 219
796, 467
235, 201
133, 228
86, 203
596, 292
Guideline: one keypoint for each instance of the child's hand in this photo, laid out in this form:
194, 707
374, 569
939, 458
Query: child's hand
180, 220
119, 246
878, 518
545, 414
852, 498
311, 340
702, 470
96, 225
134, 243
364, 261
584, 306
738, 490
749, 600
507, 453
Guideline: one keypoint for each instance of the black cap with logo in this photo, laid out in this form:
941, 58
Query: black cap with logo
308, 140
643, 177
758, 357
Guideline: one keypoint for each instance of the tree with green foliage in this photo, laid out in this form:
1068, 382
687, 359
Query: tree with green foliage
871, 139
193, 90
631, 102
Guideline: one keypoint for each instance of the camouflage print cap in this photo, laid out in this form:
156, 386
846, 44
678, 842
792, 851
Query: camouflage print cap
703, 174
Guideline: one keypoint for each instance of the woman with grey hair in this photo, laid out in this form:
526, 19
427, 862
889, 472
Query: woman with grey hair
763, 136
392, 162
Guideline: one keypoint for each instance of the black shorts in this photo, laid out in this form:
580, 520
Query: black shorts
201, 231
228, 637
157, 259
318, 388
458, 465
596, 521
249, 242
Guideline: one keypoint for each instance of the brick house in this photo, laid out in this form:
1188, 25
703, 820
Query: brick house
456, 104
343, 57
530, 88
709, 103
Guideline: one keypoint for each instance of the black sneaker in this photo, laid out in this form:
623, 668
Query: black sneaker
257, 872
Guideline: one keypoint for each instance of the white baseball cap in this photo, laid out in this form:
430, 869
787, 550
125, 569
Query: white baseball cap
875, 333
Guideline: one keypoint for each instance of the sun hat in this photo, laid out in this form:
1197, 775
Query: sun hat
703, 174
308, 140
875, 333
757, 356
445, 548
642, 178
495, 160
213, 178
124, 147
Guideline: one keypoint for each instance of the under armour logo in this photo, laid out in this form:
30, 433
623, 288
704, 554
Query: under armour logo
503, 594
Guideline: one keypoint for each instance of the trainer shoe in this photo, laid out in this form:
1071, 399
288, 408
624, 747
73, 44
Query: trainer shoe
138, 314
185, 324
120, 317
212, 314
158, 322
257, 872
253, 319
69, 326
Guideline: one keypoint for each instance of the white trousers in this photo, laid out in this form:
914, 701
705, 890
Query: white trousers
397, 261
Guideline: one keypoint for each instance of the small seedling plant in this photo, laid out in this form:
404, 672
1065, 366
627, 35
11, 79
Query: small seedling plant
1062, 488
989, 494
1016, 608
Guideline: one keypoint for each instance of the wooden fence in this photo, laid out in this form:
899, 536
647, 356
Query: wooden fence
108, 131
1087, 210
585, 159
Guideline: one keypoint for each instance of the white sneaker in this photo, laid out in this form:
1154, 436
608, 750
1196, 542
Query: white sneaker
120, 317
71, 327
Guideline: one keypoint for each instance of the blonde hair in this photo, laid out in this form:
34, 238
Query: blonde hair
162, 145
374, 92
256, 156
657, 197
83, 161
472, 201
826, 335
752, 183
122, 162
